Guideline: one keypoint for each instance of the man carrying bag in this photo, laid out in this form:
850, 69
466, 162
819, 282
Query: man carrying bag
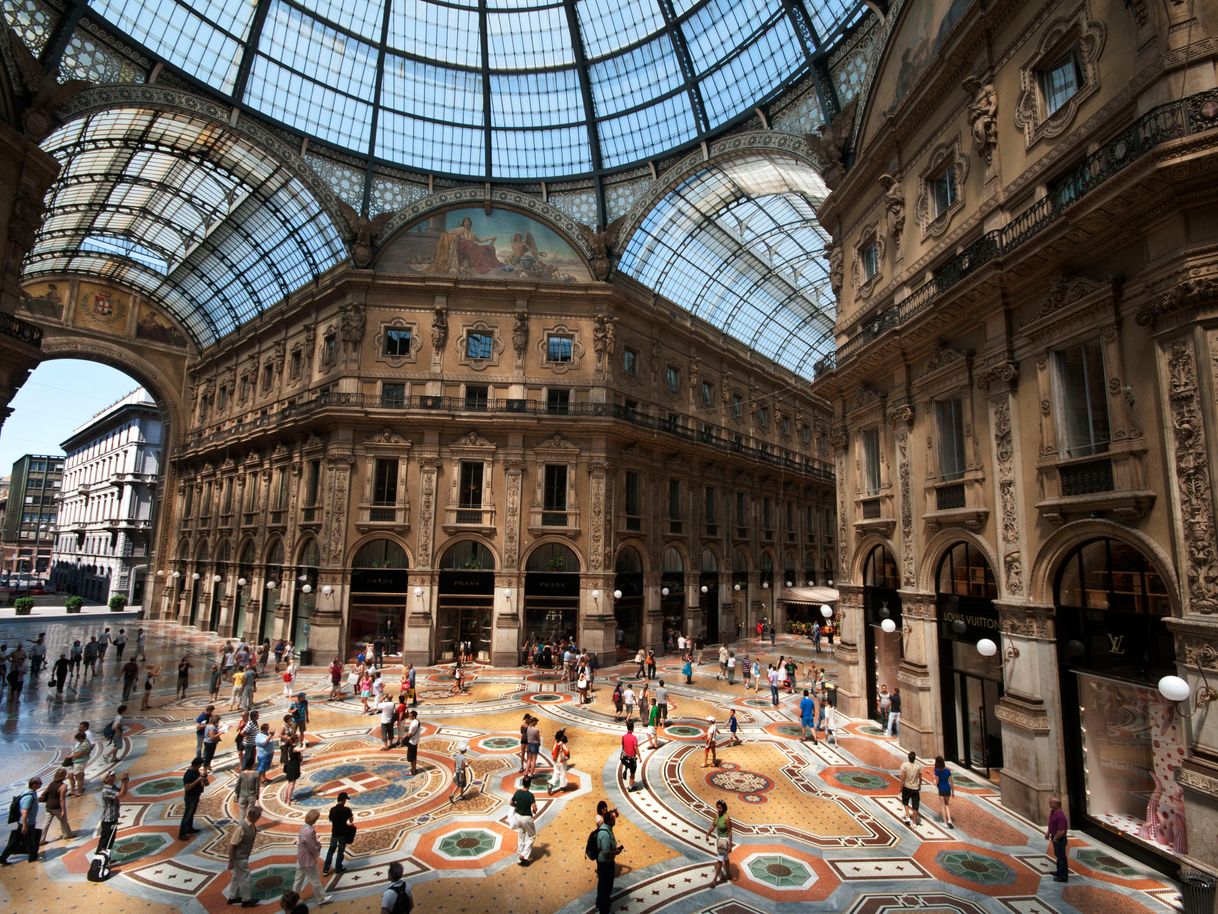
27, 836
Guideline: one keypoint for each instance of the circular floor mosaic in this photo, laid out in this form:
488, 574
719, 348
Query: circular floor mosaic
976, 868
780, 871
861, 780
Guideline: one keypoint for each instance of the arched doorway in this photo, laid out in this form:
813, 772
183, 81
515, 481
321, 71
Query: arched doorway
880, 602
274, 578
223, 558
1122, 738
971, 685
672, 596
628, 608
467, 596
551, 593
742, 621
708, 589
196, 581
765, 607
304, 600
379, 587
244, 627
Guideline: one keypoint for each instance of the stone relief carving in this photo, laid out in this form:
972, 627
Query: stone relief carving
604, 338
511, 536
894, 206
1192, 478
339, 465
362, 232
1004, 453
596, 548
828, 145
907, 547
44, 91
843, 545
837, 260
602, 242
351, 325
1184, 293
983, 115
427, 516
1087, 35
439, 328
520, 333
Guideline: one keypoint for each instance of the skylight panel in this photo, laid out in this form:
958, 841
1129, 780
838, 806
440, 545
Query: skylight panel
432, 91
536, 153
436, 147
309, 106
608, 26
311, 48
753, 73
364, 17
718, 28
437, 32
529, 39
549, 98
635, 77
647, 132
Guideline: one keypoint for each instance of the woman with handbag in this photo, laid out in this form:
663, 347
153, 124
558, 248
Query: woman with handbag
721, 832
562, 756
55, 802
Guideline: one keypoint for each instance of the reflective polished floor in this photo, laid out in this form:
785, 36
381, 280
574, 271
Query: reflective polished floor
817, 828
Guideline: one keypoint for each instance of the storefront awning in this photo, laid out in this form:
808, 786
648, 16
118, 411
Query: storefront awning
814, 595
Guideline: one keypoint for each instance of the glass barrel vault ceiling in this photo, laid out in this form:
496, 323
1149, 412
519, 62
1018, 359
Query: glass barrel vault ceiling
510, 89
738, 245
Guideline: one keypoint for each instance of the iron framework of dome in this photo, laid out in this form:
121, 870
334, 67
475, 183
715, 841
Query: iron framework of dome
496, 89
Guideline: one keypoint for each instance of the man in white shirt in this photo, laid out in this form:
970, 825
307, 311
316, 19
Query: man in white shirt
412, 742
388, 712
628, 701
722, 674
681, 643
397, 886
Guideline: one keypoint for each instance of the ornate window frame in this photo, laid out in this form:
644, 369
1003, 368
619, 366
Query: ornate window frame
864, 285
496, 345
397, 361
951, 156
543, 348
1086, 37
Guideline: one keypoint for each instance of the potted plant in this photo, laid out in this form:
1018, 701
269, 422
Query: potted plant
558, 562
73, 603
117, 603
23, 605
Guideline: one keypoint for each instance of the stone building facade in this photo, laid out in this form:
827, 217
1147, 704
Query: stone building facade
435, 460
1024, 430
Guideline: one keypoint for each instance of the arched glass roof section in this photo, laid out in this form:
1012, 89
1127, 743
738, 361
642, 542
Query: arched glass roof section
183, 210
737, 244
503, 89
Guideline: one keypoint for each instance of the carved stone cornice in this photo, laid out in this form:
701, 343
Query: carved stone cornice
1187, 291
919, 607
1028, 715
1027, 620
998, 376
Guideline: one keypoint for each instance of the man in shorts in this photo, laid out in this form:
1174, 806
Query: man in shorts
413, 729
388, 716
460, 774
710, 751
911, 789
630, 754
807, 716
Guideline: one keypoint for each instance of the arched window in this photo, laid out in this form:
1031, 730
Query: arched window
709, 562
880, 569
672, 562
1111, 575
309, 554
469, 555
628, 561
380, 553
552, 558
964, 572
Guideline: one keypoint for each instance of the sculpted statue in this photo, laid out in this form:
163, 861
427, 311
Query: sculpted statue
44, 90
602, 241
439, 329
836, 267
351, 324
604, 336
520, 333
364, 231
983, 115
894, 205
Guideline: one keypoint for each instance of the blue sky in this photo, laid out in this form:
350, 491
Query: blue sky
59, 396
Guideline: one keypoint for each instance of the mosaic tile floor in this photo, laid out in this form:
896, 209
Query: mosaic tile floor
818, 827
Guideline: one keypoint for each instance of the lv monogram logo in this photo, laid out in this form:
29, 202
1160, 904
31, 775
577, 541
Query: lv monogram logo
1116, 644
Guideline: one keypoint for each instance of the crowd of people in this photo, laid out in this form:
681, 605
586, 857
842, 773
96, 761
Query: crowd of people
271, 750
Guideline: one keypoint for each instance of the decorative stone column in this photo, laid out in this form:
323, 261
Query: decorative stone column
851, 683
417, 640
505, 638
598, 626
921, 725
325, 634
653, 613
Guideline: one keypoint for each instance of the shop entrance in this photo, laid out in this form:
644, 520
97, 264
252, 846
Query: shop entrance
466, 601
971, 685
379, 585
1122, 738
672, 597
273, 575
628, 608
551, 594
708, 592
881, 604
304, 600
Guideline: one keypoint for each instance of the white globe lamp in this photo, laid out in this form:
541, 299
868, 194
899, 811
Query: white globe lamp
888, 626
1173, 688
826, 610
986, 647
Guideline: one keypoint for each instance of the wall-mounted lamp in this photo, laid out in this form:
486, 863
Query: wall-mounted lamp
195, 576
663, 591
160, 574
327, 590
418, 591
215, 578
617, 595
1177, 689
888, 626
735, 587
271, 585
303, 578
308, 588
790, 583
826, 610
596, 594
809, 583
987, 648
240, 582
765, 585
176, 575
705, 589
830, 582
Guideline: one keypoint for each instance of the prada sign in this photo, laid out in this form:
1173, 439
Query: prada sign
962, 619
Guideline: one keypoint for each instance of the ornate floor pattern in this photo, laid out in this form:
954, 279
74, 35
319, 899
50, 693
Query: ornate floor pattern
817, 827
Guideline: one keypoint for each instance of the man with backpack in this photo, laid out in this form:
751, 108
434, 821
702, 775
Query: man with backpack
397, 899
605, 854
23, 812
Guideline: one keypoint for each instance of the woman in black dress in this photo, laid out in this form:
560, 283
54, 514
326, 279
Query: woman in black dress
291, 769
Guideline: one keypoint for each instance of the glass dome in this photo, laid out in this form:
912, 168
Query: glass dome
503, 89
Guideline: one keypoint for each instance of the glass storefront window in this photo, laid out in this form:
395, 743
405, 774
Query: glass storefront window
1132, 741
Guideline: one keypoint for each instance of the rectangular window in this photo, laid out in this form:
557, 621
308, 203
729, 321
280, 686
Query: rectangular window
943, 190
630, 362
477, 396
763, 417
1081, 399
313, 482
385, 481
767, 513
1060, 82
226, 500
188, 502
790, 510
251, 492
709, 498
785, 426
281, 490
869, 258
329, 348
870, 441
633, 500
630, 410
268, 376
672, 378
559, 348
737, 406
222, 398
393, 394
708, 393
296, 363
554, 488
558, 401
206, 507
479, 346
470, 494
742, 513
674, 504
949, 416
397, 342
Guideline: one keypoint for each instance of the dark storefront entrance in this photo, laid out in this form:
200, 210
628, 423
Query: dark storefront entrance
379, 586
551, 593
881, 602
467, 597
628, 608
